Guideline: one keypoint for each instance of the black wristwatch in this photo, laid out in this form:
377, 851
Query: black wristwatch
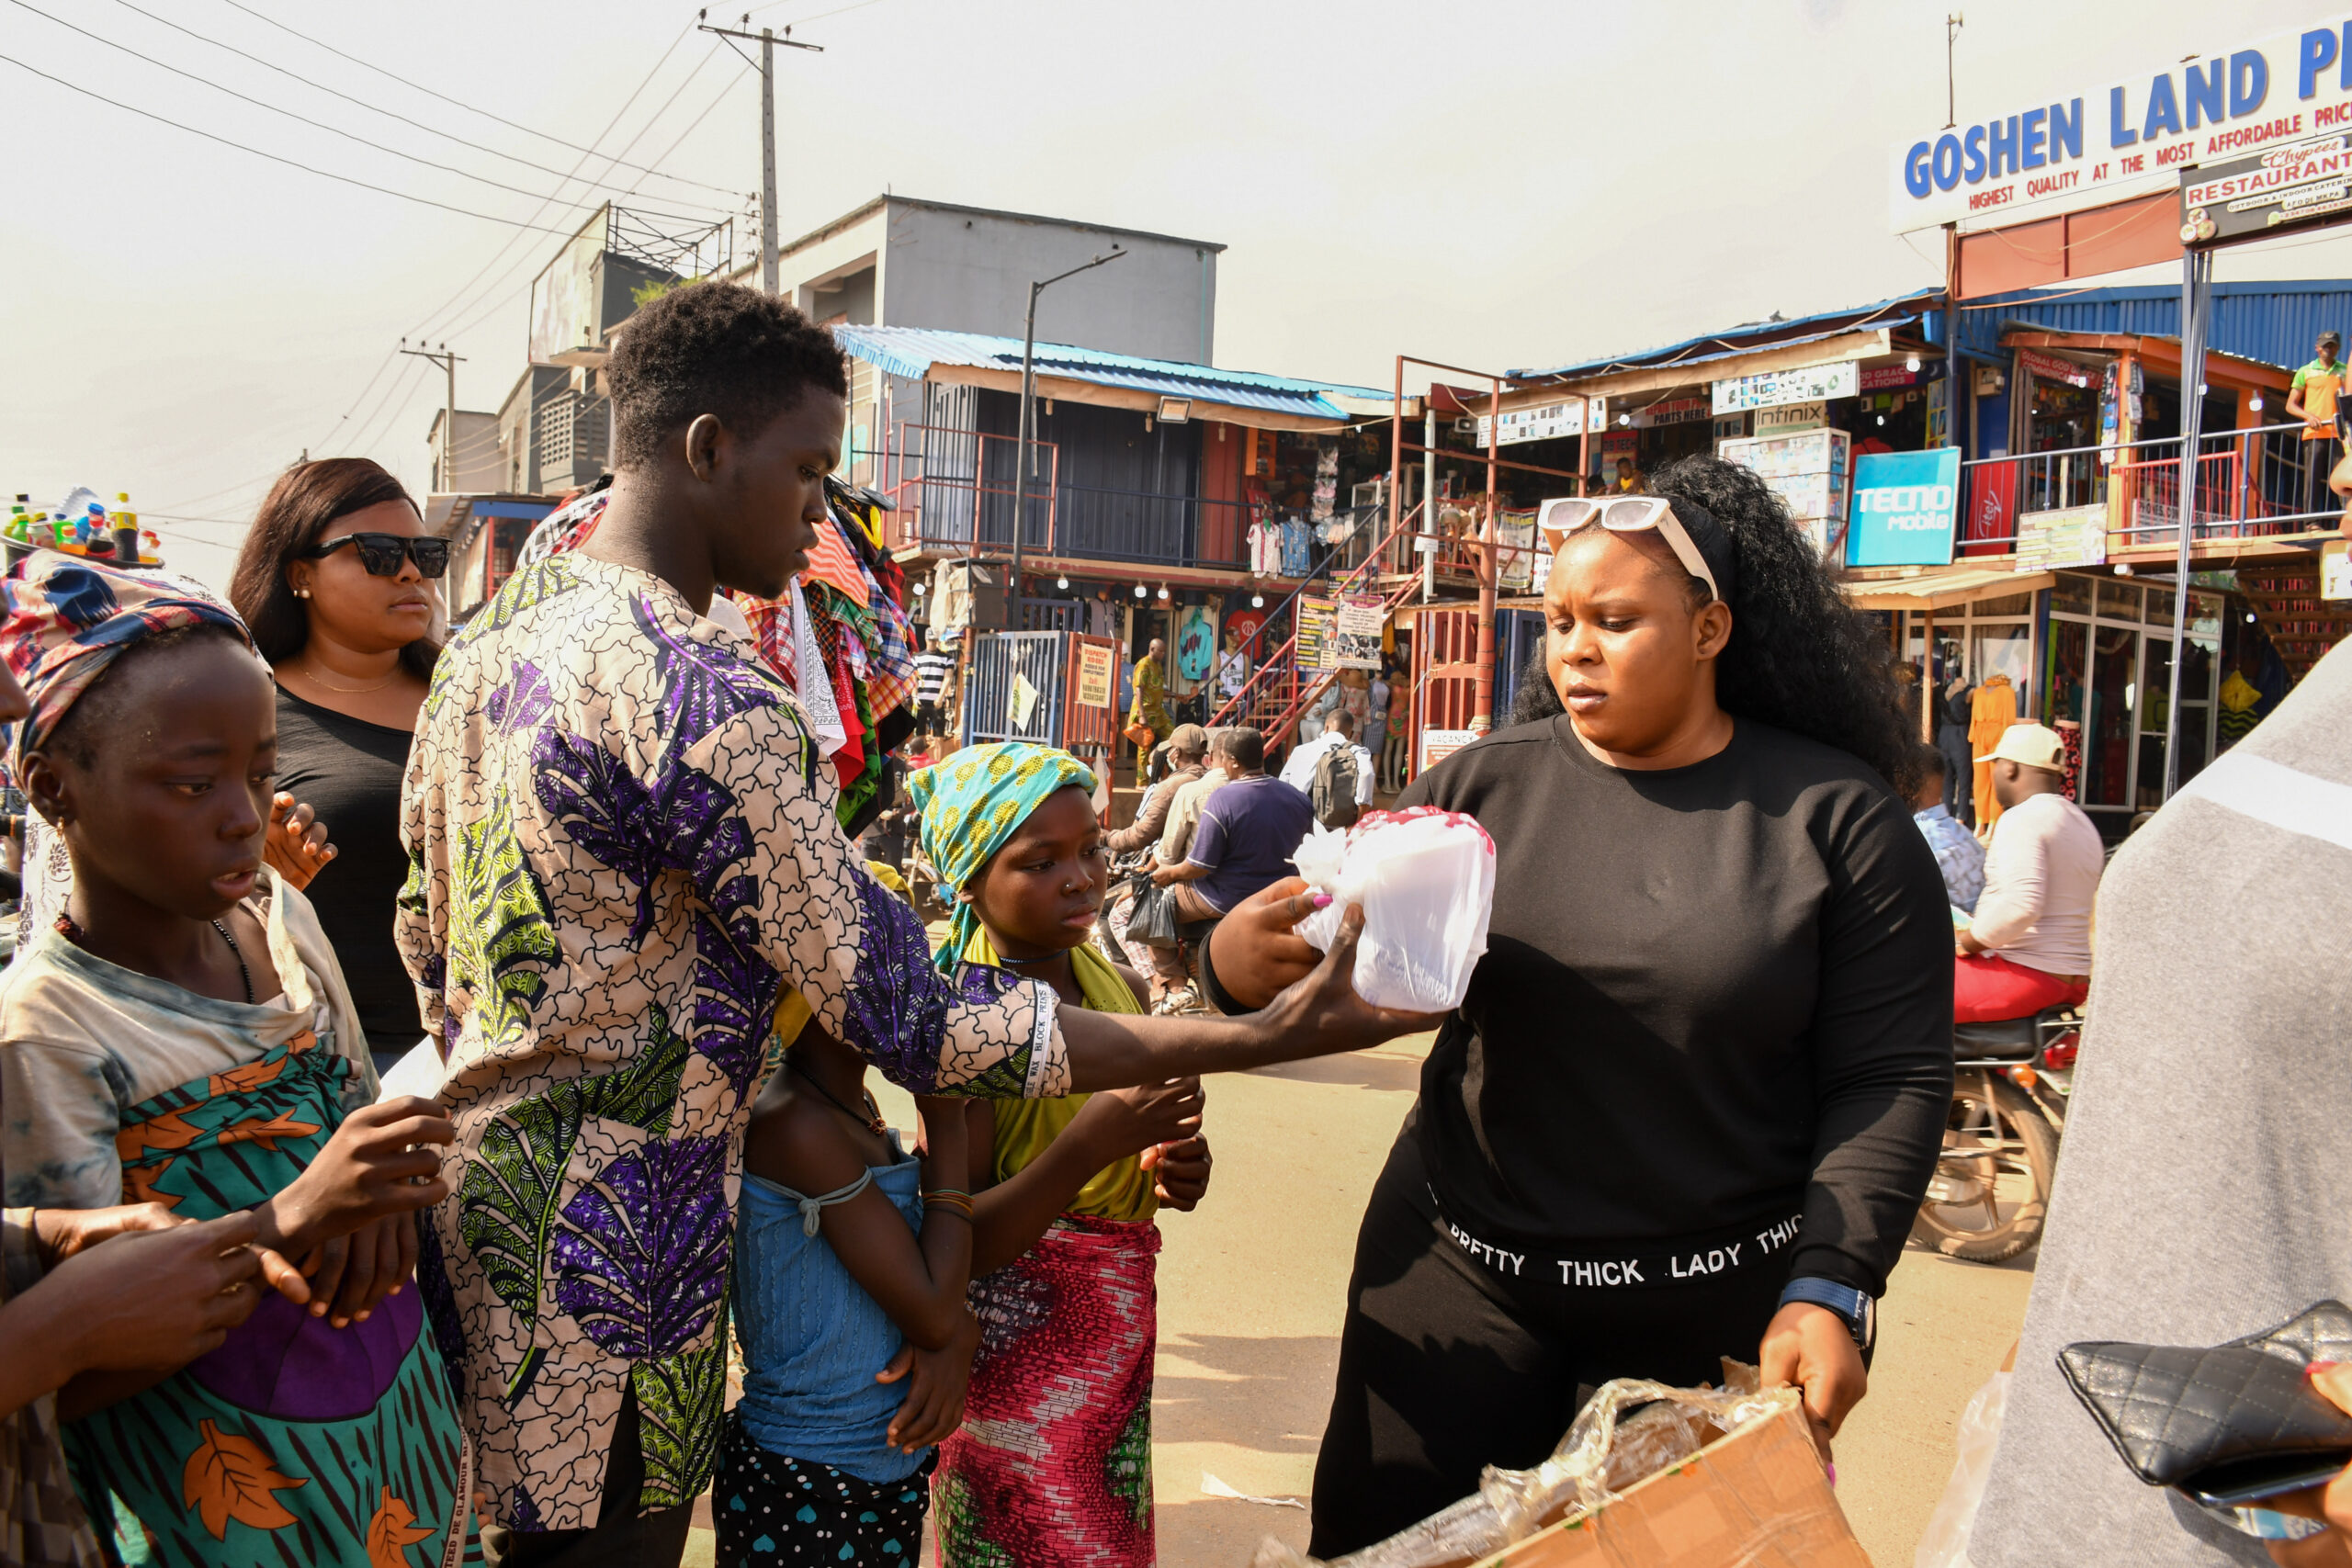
1856, 1307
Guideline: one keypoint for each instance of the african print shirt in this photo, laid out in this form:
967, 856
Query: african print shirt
624, 857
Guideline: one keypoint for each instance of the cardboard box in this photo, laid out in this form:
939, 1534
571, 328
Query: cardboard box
1757, 1498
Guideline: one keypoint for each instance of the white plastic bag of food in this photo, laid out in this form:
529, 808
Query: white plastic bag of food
1426, 879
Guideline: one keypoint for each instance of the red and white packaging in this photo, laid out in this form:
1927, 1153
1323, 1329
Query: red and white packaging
1426, 879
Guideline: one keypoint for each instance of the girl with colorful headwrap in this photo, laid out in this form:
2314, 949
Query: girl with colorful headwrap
1054, 1461
181, 1036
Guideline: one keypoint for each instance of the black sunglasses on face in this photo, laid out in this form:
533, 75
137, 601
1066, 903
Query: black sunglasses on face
381, 554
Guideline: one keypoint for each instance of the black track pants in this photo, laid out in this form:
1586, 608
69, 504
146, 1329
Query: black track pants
1445, 1366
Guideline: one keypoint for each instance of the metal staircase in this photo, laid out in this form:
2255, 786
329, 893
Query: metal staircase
1278, 691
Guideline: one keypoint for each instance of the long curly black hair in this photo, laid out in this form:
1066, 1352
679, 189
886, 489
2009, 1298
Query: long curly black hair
1801, 657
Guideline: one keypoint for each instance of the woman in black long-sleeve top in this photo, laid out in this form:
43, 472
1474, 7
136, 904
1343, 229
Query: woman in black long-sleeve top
340, 585
1698, 1085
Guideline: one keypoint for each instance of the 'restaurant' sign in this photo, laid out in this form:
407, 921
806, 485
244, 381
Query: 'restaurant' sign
2303, 182
2085, 145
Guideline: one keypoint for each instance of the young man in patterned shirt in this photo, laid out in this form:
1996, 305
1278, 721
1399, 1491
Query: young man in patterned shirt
628, 885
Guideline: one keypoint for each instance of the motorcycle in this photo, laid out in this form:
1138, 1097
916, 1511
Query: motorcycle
1990, 1192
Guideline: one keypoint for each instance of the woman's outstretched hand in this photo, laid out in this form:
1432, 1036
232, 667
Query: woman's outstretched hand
1322, 1011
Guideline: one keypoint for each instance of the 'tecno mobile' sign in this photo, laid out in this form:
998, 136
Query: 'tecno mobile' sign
2131, 137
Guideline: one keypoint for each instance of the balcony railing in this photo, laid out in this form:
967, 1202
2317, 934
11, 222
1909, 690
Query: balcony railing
954, 494
2266, 482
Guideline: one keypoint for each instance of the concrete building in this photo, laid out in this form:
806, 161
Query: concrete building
467, 457
900, 262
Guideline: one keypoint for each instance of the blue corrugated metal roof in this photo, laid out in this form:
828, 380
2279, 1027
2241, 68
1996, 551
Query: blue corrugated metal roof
912, 351
1746, 338
2273, 323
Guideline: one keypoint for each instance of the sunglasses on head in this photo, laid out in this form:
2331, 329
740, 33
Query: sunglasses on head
1628, 514
382, 554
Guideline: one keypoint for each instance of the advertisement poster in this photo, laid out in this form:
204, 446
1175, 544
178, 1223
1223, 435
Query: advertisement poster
1356, 645
1515, 567
1437, 745
1904, 507
1538, 424
1790, 419
1020, 703
1773, 388
2073, 536
1317, 647
1992, 502
1097, 671
1196, 644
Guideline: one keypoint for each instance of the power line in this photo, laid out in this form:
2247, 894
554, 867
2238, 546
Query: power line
441, 312
290, 114
362, 103
213, 494
675, 94
717, 98
446, 98
380, 366
798, 21
306, 168
361, 436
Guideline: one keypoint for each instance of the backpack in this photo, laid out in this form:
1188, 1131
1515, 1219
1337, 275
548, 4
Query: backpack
1338, 775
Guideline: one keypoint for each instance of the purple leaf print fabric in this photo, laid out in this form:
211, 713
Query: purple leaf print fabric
897, 1011
523, 701
640, 1252
735, 997
702, 687
603, 807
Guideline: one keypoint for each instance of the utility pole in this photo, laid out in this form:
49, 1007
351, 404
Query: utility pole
1953, 24
448, 363
767, 39
1024, 455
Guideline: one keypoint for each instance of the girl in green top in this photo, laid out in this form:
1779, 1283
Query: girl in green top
1064, 1191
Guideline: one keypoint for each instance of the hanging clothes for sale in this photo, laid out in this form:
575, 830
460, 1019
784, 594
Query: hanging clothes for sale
1299, 547
1266, 550
2070, 736
1991, 710
840, 640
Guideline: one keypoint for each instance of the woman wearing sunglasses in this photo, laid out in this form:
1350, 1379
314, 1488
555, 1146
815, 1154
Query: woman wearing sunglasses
340, 585
1694, 1094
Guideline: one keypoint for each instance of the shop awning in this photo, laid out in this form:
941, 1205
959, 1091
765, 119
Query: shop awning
1952, 585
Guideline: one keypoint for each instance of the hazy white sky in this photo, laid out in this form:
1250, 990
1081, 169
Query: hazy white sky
1491, 185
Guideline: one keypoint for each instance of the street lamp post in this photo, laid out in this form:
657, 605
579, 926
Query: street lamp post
1021, 455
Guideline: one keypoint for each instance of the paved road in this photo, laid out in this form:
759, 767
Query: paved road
1251, 1289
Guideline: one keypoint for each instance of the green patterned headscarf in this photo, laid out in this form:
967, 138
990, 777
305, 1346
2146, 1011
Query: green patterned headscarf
972, 803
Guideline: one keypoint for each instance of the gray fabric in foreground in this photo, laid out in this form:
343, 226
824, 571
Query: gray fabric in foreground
2204, 1185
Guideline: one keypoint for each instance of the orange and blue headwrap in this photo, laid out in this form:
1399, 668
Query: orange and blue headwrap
67, 619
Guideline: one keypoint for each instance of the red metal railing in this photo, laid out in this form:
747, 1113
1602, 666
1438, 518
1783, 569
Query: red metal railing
1275, 694
2253, 483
